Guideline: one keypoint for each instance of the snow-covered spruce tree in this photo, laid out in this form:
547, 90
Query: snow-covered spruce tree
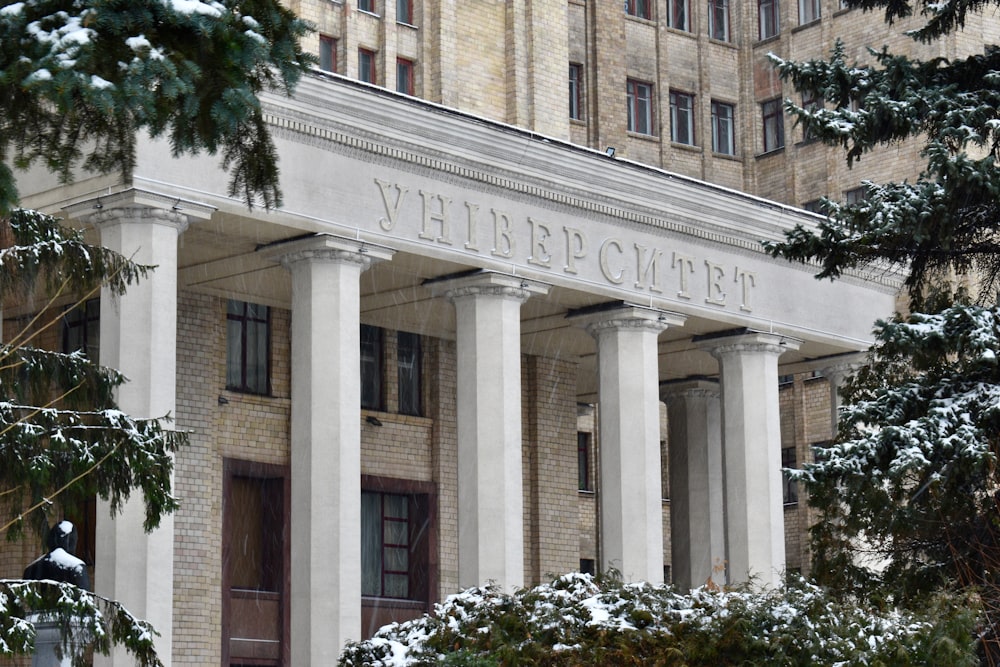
912, 480
62, 438
80, 78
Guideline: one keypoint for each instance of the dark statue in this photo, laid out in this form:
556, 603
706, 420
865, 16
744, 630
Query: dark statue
59, 564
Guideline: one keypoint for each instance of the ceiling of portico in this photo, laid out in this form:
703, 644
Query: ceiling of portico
220, 257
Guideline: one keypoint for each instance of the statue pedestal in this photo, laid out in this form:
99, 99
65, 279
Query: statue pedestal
48, 639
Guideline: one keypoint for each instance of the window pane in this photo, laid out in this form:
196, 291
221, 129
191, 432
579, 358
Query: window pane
327, 54
678, 15
409, 373
371, 544
575, 106
404, 76
768, 14
404, 11
371, 367
397, 586
366, 66
234, 354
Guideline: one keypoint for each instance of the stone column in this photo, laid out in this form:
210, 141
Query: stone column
139, 338
488, 406
838, 370
325, 442
630, 491
751, 437
697, 534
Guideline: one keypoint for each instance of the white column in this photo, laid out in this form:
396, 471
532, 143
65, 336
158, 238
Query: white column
697, 534
488, 405
751, 438
630, 492
838, 370
326, 443
139, 338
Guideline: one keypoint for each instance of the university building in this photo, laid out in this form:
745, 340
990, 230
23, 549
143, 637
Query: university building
475, 344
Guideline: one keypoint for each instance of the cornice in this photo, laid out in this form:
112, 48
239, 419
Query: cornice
430, 140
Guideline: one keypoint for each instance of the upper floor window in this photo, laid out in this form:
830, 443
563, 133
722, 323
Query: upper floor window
718, 19
790, 490
678, 16
809, 11
327, 53
774, 125
81, 329
640, 107
723, 135
681, 118
641, 8
248, 343
404, 11
409, 360
366, 66
367, 5
856, 195
810, 103
767, 12
576, 91
404, 76
371, 368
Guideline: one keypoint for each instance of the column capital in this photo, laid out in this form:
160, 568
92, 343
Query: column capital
679, 390
747, 342
327, 248
488, 283
134, 205
626, 317
836, 369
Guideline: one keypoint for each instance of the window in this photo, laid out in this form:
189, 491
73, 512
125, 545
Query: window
856, 196
395, 530
815, 206
767, 12
81, 329
367, 5
327, 53
774, 125
576, 91
404, 76
583, 460
718, 19
681, 118
640, 8
678, 16
408, 372
810, 104
723, 136
366, 66
587, 566
371, 368
248, 344
404, 11
255, 563
790, 488
808, 11
640, 107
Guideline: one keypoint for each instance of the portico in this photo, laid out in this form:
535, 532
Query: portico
493, 247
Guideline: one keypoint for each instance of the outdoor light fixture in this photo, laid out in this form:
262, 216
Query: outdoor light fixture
610, 151
373, 420
223, 400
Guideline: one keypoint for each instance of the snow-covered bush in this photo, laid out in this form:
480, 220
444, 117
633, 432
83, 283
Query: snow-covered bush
577, 620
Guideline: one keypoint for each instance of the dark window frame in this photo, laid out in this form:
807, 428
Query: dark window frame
404, 12
280, 476
679, 15
768, 18
327, 53
773, 125
633, 98
373, 382
371, 70
717, 30
575, 91
404, 67
718, 121
410, 384
682, 116
81, 329
642, 9
244, 319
